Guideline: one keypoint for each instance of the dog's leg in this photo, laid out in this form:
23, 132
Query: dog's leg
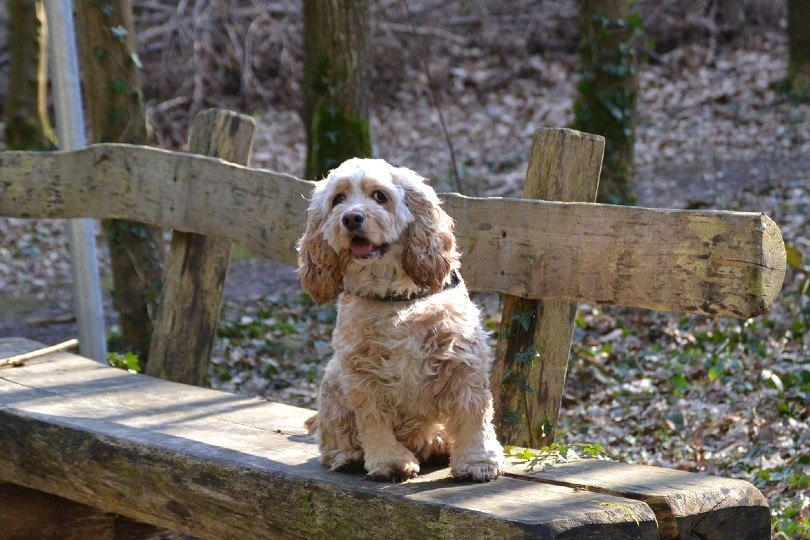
336, 428
476, 453
386, 459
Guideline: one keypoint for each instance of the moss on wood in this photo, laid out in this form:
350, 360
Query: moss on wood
336, 136
607, 90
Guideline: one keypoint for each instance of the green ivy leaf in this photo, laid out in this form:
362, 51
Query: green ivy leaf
523, 385
118, 86
679, 383
527, 357
635, 20
715, 371
523, 317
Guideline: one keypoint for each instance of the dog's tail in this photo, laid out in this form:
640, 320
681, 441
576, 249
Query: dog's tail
312, 424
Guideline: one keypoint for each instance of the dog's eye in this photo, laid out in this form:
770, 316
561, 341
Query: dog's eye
380, 197
338, 199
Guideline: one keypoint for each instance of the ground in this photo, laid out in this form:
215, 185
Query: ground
715, 131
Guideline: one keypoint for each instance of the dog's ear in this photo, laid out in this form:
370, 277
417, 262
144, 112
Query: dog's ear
320, 268
430, 247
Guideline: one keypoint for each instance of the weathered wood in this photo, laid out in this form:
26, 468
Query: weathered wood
717, 263
194, 278
686, 505
217, 465
564, 166
27, 513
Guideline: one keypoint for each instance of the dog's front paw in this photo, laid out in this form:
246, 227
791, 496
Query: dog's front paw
480, 471
480, 464
392, 470
344, 461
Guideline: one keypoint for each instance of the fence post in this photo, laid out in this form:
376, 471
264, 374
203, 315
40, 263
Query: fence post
528, 376
194, 278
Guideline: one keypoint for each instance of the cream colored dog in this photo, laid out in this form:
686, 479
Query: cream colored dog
409, 380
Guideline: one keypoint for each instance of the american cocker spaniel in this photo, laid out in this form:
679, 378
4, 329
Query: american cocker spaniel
409, 379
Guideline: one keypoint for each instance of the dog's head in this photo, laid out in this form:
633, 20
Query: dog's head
359, 212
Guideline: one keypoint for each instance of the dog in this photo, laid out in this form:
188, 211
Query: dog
409, 378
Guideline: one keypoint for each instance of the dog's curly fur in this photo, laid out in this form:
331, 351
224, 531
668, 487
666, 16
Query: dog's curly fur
409, 380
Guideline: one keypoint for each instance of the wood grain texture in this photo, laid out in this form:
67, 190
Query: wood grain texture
564, 166
27, 514
194, 277
216, 465
686, 505
711, 262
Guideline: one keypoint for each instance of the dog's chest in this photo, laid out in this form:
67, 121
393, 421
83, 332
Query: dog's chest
408, 354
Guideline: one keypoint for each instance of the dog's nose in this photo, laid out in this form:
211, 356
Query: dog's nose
353, 220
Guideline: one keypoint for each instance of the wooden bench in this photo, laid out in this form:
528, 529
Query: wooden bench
107, 443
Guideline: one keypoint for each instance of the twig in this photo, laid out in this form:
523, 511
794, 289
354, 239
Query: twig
20, 359
424, 31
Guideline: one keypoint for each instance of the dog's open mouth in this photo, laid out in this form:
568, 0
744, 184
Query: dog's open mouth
362, 248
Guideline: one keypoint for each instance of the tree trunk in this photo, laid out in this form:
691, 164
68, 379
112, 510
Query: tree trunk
799, 48
336, 83
26, 107
115, 106
607, 90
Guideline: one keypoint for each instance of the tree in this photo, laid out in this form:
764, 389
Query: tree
606, 102
26, 107
115, 106
336, 83
798, 48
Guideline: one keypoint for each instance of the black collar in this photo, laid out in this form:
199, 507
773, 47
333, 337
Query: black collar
452, 281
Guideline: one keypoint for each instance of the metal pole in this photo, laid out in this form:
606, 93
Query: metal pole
70, 132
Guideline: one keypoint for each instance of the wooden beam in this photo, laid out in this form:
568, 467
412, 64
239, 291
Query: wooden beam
528, 375
212, 464
711, 262
194, 277
686, 505
216, 465
28, 513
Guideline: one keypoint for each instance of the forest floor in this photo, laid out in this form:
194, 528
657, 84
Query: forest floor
722, 396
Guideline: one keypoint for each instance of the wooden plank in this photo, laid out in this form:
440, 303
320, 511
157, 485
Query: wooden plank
564, 165
194, 277
27, 513
711, 262
687, 505
216, 465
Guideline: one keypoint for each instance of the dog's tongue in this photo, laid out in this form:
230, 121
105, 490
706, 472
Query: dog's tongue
361, 247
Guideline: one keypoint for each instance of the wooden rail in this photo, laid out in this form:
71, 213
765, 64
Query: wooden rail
710, 262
